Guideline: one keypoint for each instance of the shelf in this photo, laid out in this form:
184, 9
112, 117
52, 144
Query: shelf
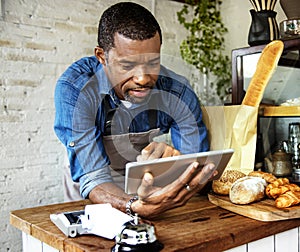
281, 111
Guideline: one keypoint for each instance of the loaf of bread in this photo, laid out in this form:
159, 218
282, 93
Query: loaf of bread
288, 199
223, 184
264, 70
247, 190
270, 178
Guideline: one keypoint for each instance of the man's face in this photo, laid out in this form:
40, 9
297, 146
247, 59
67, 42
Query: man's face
132, 67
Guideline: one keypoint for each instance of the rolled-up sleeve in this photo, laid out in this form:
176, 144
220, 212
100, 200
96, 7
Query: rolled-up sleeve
90, 180
75, 125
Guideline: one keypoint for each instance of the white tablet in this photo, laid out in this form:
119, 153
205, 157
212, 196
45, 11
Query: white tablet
166, 170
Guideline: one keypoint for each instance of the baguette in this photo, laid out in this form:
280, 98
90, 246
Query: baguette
264, 70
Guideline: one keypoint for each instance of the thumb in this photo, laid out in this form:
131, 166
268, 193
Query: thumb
146, 186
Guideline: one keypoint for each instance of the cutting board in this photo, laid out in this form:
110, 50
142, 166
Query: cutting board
263, 210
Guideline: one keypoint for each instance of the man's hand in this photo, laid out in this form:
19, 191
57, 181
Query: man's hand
157, 150
155, 200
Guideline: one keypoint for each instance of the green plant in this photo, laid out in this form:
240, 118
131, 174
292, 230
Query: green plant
204, 45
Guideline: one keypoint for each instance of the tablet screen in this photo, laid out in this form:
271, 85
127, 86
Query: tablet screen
166, 170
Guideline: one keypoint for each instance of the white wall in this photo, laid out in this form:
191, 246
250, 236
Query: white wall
38, 40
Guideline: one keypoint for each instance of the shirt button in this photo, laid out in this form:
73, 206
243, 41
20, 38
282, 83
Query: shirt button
72, 144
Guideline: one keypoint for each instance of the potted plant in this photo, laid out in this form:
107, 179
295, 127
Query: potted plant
204, 45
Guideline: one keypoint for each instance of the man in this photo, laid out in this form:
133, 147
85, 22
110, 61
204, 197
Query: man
111, 106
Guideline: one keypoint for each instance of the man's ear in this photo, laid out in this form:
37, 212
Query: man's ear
99, 53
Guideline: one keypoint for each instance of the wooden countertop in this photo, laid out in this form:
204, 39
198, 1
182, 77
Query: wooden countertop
197, 226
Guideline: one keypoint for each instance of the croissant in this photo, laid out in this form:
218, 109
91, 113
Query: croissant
280, 181
288, 199
277, 191
277, 183
270, 178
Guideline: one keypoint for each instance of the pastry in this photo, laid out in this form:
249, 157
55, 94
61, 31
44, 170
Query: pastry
222, 185
247, 190
277, 191
288, 199
270, 178
264, 69
277, 183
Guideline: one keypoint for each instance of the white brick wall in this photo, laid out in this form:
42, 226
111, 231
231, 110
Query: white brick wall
38, 40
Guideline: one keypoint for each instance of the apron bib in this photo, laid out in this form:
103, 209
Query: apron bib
120, 149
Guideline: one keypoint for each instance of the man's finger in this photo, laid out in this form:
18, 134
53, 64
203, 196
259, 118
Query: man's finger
158, 150
186, 176
147, 152
148, 149
201, 178
168, 152
176, 152
146, 186
206, 173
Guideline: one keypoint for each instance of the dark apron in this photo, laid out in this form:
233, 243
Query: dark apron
120, 149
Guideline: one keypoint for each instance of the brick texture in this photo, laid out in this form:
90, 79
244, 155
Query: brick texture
38, 40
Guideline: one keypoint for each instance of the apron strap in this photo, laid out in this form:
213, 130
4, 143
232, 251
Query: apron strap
152, 113
109, 114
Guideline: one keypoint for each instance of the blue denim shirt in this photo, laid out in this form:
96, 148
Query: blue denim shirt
80, 118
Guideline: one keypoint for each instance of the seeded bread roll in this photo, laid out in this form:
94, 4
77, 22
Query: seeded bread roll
264, 70
247, 190
222, 185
